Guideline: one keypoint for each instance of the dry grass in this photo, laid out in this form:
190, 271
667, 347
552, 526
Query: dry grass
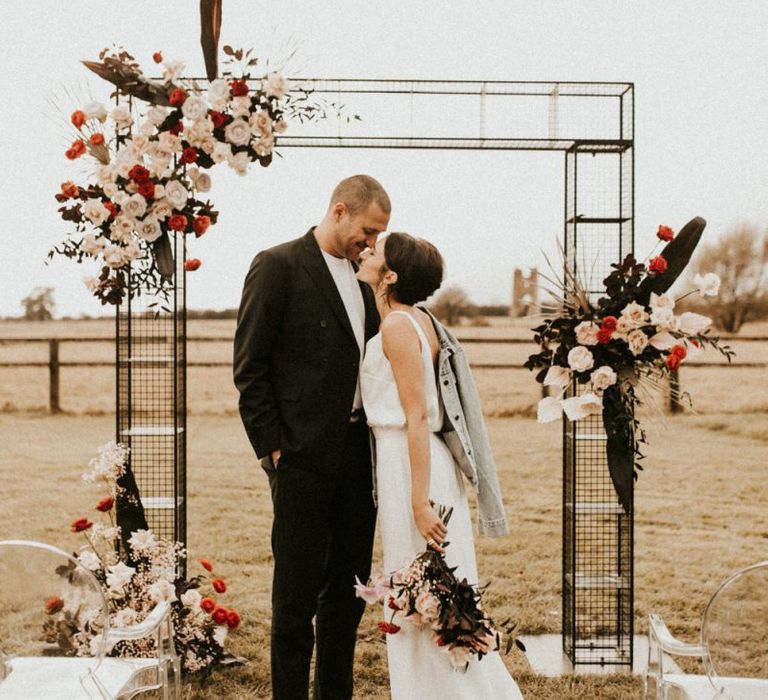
701, 513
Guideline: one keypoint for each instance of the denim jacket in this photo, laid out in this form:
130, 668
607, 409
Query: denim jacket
465, 433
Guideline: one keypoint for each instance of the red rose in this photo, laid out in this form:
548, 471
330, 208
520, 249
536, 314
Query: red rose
81, 525
200, 225
105, 504
192, 264
70, 190
217, 118
112, 209
189, 154
219, 585
673, 361
147, 189
657, 265
53, 605
78, 118
665, 233
157, 57
139, 174
178, 222
233, 619
206, 564
75, 150
609, 323
208, 605
680, 350
177, 97
220, 615
604, 336
389, 627
238, 88
176, 129
96, 139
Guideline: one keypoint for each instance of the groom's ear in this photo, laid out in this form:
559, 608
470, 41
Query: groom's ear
339, 209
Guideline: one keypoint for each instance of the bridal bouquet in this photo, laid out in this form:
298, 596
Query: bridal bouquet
601, 355
150, 169
426, 593
133, 589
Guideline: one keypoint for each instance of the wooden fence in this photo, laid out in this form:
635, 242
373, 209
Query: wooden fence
54, 364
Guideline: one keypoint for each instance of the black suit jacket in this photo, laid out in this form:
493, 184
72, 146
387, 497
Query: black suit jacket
296, 359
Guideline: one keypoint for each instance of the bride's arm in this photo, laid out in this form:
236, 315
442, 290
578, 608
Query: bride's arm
402, 347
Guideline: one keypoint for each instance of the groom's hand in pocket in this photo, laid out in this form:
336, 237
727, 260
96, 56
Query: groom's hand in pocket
276, 454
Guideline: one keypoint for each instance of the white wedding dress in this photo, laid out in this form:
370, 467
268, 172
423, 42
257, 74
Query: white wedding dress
418, 668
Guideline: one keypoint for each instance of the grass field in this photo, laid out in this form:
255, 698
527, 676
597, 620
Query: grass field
701, 505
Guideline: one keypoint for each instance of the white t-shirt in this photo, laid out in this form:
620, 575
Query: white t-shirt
349, 288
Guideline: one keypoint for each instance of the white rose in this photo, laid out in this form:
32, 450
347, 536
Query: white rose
602, 378
172, 70
131, 251
159, 192
557, 376
110, 189
149, 229
548, 409
661, 301
92, 283
276, 85
221, 152
662, 340
120, 198
142, 144
264, 145
170, 142
280, 126
708, 285
239, 162
162, 209
218, 94
637, 341
142, 540
162, 591
160, 168
113, 256
261, 123
156, 115
623, 327
635, 314
580, 359
203, 182
118, 575
692, 324
95, 110
586, 333
578, 407
194, 108
427, 606
92, 245
240, 106
663, 318
95, 210
89, 560
176, 194
121, 115
106, 174
237, 132
135, 206
191, 599
220, 634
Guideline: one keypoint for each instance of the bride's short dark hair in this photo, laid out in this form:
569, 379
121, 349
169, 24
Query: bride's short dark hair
418, 264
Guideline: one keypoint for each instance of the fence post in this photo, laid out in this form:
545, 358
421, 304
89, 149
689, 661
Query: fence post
53, 369
674, 391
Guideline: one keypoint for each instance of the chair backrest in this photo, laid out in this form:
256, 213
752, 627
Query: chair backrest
50, 605
734, 631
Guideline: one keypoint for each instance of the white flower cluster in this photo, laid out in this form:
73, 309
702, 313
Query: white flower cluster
109, 466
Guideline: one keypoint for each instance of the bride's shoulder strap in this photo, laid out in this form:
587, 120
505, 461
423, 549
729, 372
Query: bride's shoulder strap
416, 325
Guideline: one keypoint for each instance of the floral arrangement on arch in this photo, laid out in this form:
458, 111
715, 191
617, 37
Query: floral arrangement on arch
132, 590
150, 169
605, 357
427, 594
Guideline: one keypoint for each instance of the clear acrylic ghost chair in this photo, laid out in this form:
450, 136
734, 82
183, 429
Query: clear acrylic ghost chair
42, 591
733, 647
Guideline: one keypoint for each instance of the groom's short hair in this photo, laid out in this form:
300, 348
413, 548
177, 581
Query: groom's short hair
358, 191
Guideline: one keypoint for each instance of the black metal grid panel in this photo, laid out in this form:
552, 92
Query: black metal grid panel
151, 401
598, 572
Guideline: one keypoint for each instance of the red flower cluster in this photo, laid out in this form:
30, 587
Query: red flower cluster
75, 150
96, 139
388, 627
220, 614
177, 222
176, 129
206, 564
239, 88
112, 208
139, 174
53, 605
147, 189
219, 585
665, 233
607, 327
200, 225
157, 57
81, 525
78, 118
105, 504
189, 154
192, 264
217, 118
676, 356
70, 190
208, 605
177, 97
657, 265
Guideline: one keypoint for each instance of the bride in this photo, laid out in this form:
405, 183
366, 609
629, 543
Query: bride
415, 465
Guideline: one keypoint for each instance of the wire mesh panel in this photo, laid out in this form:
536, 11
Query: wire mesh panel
598, 573
151, 400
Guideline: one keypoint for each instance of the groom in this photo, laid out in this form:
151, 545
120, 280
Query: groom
301, 330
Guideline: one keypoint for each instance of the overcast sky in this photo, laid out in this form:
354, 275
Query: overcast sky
701, 138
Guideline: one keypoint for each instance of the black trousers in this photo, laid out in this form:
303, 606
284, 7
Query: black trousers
322, 537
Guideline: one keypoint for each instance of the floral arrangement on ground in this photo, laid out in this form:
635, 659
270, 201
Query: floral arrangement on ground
607, 357
134, 587
151, 168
